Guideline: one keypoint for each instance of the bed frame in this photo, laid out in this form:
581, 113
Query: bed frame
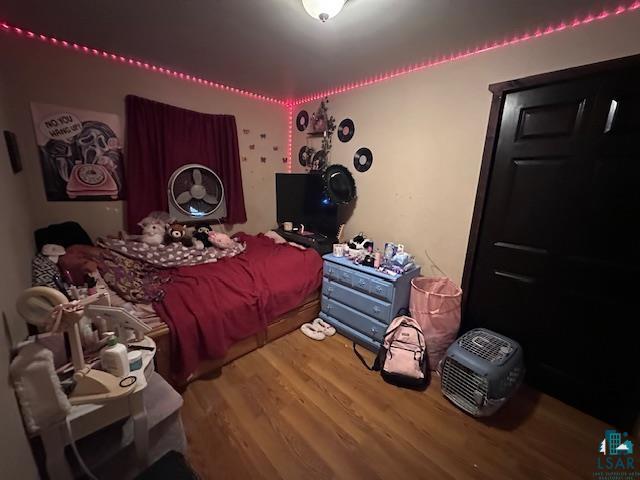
281, 326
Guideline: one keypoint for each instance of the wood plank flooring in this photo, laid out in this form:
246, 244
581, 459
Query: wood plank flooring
300, 409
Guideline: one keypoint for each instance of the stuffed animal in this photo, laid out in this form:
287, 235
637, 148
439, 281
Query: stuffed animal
201, 237
153, 229
176, 232
161, 218
152, 234
360, 242
221, 240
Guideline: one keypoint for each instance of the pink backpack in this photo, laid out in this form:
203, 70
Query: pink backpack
402, 359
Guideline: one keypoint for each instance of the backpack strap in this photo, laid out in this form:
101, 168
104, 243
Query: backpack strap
376, 364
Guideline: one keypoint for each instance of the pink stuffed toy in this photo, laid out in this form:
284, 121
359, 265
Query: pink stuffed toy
221, 240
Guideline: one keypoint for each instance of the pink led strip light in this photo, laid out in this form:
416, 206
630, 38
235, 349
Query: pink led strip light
135, 63
289, 135
470, 52
290, 104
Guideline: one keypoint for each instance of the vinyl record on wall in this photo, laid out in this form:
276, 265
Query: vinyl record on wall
319, 161
304, 156
302, 120
346, 129
363, 159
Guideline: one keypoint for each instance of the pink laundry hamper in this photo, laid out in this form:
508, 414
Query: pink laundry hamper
435, 304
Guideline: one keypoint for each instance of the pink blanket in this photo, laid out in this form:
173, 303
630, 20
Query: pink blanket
210, 307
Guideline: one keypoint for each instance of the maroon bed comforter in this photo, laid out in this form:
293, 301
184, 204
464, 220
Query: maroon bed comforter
210, 307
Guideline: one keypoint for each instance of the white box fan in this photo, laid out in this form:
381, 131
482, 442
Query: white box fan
196, 194
481, 371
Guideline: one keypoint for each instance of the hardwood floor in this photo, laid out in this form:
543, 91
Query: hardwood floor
298, 409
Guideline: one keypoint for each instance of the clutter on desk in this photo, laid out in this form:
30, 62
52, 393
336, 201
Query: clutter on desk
135, 360
393, 260
85, 320
114, 358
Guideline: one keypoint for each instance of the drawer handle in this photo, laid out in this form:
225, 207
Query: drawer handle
330, 289
376, 309
379, 289
374, 330
362, 283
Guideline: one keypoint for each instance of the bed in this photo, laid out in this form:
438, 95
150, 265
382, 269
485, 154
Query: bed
206, 315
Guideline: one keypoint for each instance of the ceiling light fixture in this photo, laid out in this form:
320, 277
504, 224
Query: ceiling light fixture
323, 10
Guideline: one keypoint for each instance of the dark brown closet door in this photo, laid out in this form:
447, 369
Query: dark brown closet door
557, 259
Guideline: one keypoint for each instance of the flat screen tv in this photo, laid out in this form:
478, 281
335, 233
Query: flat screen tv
300, 198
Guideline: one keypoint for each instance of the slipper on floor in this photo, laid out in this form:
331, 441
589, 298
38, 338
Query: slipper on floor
324, 327
312, 331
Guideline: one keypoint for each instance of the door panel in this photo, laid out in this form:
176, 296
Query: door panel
536, 187
557, 258
552, 120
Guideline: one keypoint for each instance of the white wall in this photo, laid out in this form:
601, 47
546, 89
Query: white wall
38, 72
426, 131
16, 249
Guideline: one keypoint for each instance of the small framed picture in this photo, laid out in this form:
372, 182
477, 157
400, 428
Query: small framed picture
14, 153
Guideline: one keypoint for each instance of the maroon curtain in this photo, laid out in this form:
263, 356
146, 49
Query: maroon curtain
161, 138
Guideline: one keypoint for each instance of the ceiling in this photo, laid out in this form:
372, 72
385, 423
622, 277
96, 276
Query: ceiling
273, 47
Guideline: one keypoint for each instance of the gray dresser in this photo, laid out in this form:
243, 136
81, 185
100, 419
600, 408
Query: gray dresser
361, 301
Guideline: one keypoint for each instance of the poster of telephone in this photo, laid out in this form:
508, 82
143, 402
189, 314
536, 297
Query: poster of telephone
80, 153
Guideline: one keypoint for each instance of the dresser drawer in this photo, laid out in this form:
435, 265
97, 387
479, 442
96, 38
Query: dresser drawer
360, 301
354, 335
339, 274
376, 287
354, 319
326, 286
360, 281
332, 270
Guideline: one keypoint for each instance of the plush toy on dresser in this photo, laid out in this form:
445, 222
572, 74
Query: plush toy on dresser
360, 242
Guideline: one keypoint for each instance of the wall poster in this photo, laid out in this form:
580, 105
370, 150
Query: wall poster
80, 153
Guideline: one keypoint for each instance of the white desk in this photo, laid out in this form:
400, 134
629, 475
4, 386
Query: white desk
89, 418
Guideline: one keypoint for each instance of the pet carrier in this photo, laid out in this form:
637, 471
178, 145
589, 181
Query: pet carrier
481, 371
